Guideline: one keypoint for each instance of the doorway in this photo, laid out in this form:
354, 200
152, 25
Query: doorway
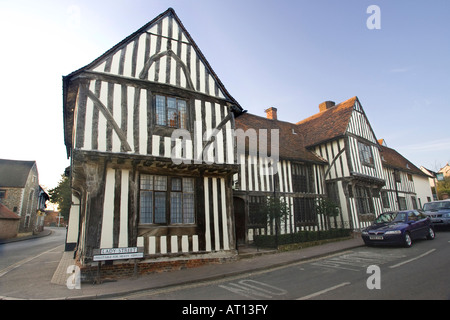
239, 220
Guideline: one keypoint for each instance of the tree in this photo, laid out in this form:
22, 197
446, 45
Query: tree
276, 210
62, 195
443, 187
327, 208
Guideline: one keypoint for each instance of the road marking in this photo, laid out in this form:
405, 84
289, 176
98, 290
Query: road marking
355, 261
407, 261
18, 264
313, 295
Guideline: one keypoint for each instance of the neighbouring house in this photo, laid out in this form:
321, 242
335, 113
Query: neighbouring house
20, 192
148, 129
53, 219
445, 170
432, 180
9, 223
298, 177
407, 187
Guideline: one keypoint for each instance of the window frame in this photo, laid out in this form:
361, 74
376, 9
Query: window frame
171, 104
149, 216
366, 154
363, 200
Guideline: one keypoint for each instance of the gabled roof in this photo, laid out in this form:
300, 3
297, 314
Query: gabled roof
328, 124
145, 60
14, 173
291, 141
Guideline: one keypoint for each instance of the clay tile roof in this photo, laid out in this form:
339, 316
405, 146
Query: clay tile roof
328, 124
391, 158
291, 143
5, 213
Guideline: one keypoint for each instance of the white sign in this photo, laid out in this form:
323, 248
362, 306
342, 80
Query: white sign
118, 254
119, 250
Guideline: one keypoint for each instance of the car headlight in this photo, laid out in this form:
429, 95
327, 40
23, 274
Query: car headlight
446, 215
393, 232
365, 233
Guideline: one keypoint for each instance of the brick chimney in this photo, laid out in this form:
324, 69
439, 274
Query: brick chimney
326, 105
271, 113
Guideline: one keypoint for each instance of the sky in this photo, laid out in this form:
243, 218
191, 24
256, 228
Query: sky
288, 54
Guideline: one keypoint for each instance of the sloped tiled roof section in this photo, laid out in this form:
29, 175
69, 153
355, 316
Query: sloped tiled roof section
14, 173
7, 214
328, 124
391, 158
291, 141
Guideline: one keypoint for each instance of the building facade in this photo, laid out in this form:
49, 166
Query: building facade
148, 129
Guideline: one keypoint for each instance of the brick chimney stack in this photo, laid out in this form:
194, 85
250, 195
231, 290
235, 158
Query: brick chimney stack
326, 105
271, 113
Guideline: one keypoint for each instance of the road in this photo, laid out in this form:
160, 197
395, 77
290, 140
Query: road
365, 273
20, 261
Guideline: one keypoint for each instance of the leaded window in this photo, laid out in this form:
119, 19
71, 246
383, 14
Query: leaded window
166, 200
171, 112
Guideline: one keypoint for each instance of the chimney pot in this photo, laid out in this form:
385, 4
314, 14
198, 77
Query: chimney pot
326, 105
271, 113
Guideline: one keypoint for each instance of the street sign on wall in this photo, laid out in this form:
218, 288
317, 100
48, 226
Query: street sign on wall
118, 253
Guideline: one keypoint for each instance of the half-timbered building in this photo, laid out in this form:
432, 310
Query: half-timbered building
407, 187
342, 135
297, 177
148, 128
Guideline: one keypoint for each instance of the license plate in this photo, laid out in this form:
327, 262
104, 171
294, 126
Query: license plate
376, 238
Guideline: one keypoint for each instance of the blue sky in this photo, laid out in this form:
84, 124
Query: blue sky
288, 54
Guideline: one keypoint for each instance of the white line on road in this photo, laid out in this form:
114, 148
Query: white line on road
407, 261
18, 264
313, 295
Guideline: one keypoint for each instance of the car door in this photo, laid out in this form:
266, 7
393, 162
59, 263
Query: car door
414, 226
418, 226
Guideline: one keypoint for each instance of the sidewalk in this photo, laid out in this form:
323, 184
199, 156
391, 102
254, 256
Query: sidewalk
250, 260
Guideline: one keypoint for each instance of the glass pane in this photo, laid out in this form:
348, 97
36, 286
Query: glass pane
188, 208
160, 183
146, 182
182, 114
176, 184
188, 185
172, 112
146, 215
175, 207
161, 110
160, 207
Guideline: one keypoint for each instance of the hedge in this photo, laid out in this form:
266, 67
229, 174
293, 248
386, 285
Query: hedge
269, 241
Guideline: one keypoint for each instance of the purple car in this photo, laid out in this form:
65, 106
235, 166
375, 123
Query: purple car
398, 228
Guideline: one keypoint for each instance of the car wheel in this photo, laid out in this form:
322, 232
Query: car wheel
431, 235
407, 240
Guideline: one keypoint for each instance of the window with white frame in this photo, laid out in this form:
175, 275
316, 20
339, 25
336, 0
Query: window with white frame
166, 200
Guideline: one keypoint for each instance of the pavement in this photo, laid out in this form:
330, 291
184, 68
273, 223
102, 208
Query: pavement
250, 260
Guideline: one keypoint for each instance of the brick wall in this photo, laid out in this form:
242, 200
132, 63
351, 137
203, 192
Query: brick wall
124, 270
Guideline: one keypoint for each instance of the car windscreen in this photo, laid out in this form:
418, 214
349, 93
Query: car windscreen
435, 206
386, 217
